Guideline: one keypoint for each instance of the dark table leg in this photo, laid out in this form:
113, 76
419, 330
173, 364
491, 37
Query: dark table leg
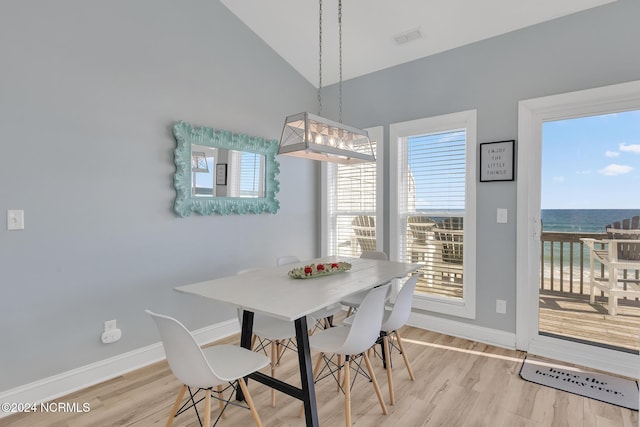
306, 372
245, 340
307, 393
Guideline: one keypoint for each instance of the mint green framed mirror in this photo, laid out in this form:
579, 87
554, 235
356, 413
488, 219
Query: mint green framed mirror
220, 172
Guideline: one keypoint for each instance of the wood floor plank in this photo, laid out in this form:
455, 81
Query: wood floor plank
458, 383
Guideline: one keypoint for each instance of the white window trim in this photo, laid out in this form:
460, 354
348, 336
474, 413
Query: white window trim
375, 134
466, 119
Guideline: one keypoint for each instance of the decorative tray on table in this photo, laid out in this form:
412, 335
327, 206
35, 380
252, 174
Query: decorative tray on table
319, 270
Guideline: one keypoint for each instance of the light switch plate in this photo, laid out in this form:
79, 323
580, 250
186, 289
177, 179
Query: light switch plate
15, 220
501, 216
501, 306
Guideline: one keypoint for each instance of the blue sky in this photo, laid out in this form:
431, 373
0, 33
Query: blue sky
592, 162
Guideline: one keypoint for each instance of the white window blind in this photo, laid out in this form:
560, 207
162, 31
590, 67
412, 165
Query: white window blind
435, 172
252, 171
432, 209
432, 202
245, 174
351, 208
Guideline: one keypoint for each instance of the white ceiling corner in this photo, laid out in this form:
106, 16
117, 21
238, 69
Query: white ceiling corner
290, 28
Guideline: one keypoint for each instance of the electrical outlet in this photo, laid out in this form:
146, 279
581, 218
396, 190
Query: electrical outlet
111, 332
110, 336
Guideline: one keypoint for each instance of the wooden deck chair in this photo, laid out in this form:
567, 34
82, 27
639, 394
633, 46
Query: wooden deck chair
421, 235
619, 254
364, 227
448, 234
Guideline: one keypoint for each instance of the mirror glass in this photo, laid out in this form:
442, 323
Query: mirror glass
221, 172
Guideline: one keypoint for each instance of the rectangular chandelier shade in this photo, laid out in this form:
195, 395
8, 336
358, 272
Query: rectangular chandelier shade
308, 136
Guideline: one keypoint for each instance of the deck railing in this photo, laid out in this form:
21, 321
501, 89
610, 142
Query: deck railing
565, 263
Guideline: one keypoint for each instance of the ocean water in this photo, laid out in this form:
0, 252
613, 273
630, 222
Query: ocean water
577, 221
583, 220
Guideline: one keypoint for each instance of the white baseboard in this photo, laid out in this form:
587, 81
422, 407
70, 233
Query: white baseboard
62, 384
464, 330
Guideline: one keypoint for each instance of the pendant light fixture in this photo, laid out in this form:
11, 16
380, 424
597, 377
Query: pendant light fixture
311, 136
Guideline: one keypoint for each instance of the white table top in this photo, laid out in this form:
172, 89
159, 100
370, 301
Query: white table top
273, 292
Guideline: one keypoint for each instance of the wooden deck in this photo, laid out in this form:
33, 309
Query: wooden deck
571, 315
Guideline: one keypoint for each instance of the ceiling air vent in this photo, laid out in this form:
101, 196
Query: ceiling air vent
407, 36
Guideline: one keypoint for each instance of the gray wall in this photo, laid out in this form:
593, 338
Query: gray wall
593, 48
89, 91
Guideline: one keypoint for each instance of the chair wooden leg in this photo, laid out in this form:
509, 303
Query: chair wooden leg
375, 383
404, 356
281, 350
207, 408
176, 405
249, 400
253, 342
274, 360
220, 402
350, 311
347, 392
387, 359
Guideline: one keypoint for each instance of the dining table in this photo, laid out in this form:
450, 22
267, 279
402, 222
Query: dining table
273, 292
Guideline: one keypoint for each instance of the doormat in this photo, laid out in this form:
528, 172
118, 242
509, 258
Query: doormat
602, 387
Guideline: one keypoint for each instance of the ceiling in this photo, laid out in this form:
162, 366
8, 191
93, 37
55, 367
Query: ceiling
290, 27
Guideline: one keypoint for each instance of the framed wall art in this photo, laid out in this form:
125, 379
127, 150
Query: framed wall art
497, 161
221, 174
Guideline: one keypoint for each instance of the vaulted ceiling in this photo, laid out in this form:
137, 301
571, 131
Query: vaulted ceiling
372, 29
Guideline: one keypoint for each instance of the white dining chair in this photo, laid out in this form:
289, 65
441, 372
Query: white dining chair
277, 334
394, 318
204, 369
323, 318
350, 343
392, 321
354, 300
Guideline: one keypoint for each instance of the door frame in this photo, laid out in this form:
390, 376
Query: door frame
532, 113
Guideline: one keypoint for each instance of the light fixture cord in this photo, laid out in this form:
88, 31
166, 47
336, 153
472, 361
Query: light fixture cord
340, 59
320, 60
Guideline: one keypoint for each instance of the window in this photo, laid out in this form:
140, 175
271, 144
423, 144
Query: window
246, 174
351, 223
433, 208
251, 174
202, 171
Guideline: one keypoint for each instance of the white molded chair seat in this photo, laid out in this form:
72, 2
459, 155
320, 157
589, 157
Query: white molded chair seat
352, 342
271, 328
354, 300
269, 331
205, 368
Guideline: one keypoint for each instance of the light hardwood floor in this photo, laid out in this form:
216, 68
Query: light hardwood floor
458, 383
